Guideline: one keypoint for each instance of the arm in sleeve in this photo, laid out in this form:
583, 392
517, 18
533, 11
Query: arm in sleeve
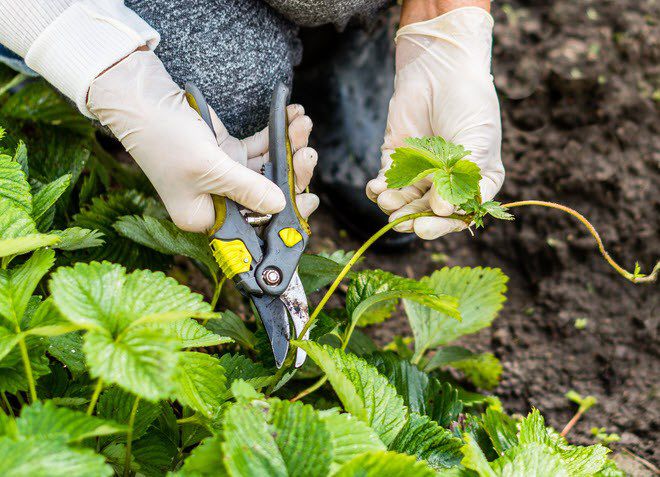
71, 42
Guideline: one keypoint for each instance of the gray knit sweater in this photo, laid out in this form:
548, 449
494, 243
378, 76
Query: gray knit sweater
236, 50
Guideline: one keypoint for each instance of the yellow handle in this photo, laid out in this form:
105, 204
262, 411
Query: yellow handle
232, 256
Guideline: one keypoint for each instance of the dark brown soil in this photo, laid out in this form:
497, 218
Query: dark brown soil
579, 83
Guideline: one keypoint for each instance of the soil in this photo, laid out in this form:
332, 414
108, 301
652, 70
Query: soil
579, 83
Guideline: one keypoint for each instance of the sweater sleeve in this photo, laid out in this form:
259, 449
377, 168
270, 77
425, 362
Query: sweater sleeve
71, 42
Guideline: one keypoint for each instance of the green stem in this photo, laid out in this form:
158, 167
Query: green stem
310, 389
623, 272
129, 437
354, 259
28, 370
7, 403
95, 396
187, 420
347, 268
15, 81
216, 292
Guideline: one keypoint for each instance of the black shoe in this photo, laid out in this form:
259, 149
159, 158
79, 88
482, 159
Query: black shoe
345, 83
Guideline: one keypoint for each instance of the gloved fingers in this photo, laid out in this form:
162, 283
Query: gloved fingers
233, 147
430, 228
419, 205
490, 184
299, 130
376, 186
257, 144
439, 206
194, 214
257, 163
307, 204
304, 162
393, 199
244, 186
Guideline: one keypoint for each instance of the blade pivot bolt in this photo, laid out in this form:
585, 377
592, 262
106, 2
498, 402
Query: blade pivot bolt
272, 276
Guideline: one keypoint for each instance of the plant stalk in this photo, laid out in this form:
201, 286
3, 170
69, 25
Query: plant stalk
347, 268
95, 396
567, 428
622, 271
28, 370
310, 389
7, 403
354, 259
129, 437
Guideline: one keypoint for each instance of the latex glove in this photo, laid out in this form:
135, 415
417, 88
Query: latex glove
143, 107
443, 87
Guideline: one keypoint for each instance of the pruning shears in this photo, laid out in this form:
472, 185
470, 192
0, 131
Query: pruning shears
265, 267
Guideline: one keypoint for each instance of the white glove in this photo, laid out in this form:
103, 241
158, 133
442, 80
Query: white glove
443, 87
150, 115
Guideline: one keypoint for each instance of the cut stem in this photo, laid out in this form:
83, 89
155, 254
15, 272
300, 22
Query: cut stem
95, 396
129, 437
28, 370
633, 277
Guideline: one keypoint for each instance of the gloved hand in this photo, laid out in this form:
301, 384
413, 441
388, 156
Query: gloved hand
150, 115
443, 87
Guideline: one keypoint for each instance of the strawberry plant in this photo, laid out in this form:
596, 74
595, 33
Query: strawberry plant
108, 366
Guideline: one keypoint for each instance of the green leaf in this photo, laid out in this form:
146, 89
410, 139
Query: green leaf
420, 392
45, 199
425, 439
317, 271
496, 210
48, 458
8, 339
483, 370
409, 166
578, 460
104, 296
46, 421
302, 438
14, 187
384, 464
193, 335
166, 238
141, 361
75, 238
67, 349
26, 243
372, 287
585, 403
21, 156
249, 446
205, 460
17, 285
533, 460
200, 383
474, 458
233, 326
238, 366
363, 392
102, 214
480, 292
458, 183
501, 429
154, 453
12, 371
350, 436
116, 404
441, 150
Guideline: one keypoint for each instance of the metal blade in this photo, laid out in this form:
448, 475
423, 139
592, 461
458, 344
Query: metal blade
295, 300
273, 315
